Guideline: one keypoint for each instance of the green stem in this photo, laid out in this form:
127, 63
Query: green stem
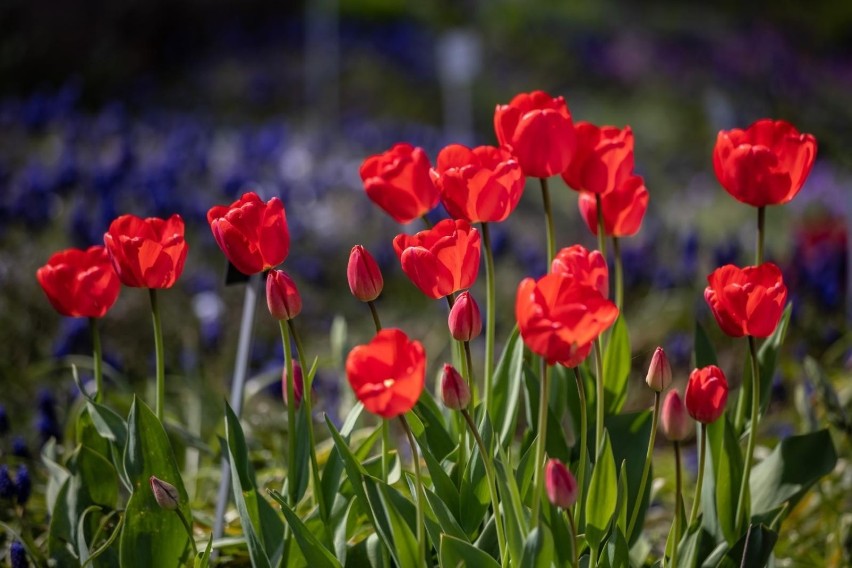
761, 233
575, 560
492, 484
599, 397
646, 470
541, 440
188, 531
678, 498
421, 527
158, 345
601, 226
291, 410
584, 438
97, 356
306, 400
702, 450
468, 365
548, 217
619, 274
755, 415
375, 314
490, 318
385, 425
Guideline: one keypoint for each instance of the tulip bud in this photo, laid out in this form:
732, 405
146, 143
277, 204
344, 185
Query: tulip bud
454, 391
465, 321
298, 386
674, 418
706, 394
282, 297
365, 278
165, 494
560, 484
659, 371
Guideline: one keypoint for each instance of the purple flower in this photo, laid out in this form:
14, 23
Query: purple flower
23, 485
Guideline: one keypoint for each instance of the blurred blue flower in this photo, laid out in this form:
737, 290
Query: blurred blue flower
7, 486
74, 336
18, 555
23, 485
20, 448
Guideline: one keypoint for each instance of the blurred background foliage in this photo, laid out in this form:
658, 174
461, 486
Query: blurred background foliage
156, 107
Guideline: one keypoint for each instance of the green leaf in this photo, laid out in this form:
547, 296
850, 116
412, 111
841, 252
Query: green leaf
767, 357
456, 553
445, 489
696, 544
202, 560
704, 354
621, 510
315, 551
538, 549
753, 549
514, 515
506, 396
390, 522
602, 496
556, 443
726, 462
333, 470
438, 439
444, 516
152, 536
616, 367
299, 474
617, 552
624, 431
474, 497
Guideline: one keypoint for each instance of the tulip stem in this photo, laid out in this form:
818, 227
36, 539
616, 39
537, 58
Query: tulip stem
584, 451
188, 528
755, 415
375, 314
646, 470
291, 410
678, 499
619, 274
492, 483
385, 425
702, 450
599, 398
468, 365
548, 217
601, 226
575, 554
462, 455
158, 346
418, 483
97, 356
541, 440
306, 401
490, 318
761, 233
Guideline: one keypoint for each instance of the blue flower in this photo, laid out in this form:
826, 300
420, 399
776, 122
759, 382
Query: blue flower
7, 487
19, 447
23, 485
18, 555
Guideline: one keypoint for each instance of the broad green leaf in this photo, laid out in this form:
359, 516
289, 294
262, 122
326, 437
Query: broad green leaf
152, 536
767, 357
726, 462
514, 514
621, 511
704, 353
390, 523
443, 516
616, 367
696, 545
753, 549
629, 434
602, 496
202, 560
556, 443
456, 553
445, 489
508, 377
538, 549
617, 551
438, 438
299, 475
333, 470
314, 551
57, 475
474, 497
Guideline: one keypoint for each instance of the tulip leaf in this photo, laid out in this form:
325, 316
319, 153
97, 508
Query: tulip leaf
314, 551
621, 511
443, 516
704, 353
726, 462
506, 395
456, 553
556, 443
445, 489
152, 536
538, 549
438, 439
390, 522
474, 497
333, 470
767, 356
602, 497
753, 549
616, 367
629, 434
514, 515
202, 559
617, 553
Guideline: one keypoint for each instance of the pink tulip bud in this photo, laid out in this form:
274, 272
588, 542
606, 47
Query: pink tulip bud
560, 484
365, 278
465, 321
282, 297
674, 418
165, 494
659, 371
454, 391
298, 386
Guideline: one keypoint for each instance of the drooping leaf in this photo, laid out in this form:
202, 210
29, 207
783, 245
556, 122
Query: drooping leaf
456, 553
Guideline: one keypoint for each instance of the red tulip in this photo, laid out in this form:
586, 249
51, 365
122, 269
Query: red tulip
706, 394
747, 301
465, 321
560, 317
580, 264
674, 418
398, 181
298, 384
603, 159
623, 208
282, 296
479, 185
441, 260
455, 393
147, 253
388, 373
362, 272
766, 164
80, 283
561, 486
539, 131
659, 375
251, 233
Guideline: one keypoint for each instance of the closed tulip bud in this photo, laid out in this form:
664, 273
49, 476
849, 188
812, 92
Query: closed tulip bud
659, 371
365, 278
706, 394
465, 320
560, 484
674, 418
454, 391
282, 297
298, 385
165, 494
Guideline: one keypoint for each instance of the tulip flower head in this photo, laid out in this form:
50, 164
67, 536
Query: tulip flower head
252, 234
539, 131
623, 208
479, 185
747, 301
80, 283
365, 278
388, 373
282, 296
706, 394
560, 484
659, 375
765, 164
674, 418
454, 390
165, 493
603, 159
441, 260
147, 253
465, 321
588, 267
399, 182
